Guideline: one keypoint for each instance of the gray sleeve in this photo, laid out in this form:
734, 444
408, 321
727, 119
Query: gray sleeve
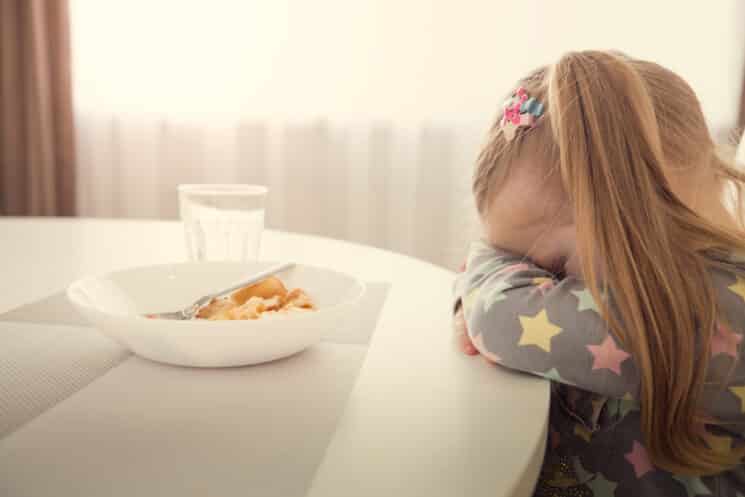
520, 316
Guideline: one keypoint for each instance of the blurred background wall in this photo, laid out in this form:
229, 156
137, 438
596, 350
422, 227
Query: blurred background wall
362, 116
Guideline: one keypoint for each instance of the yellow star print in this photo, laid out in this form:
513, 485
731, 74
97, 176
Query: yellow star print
538, 331
470, 298
597, 406
738, 287
718, 444
582, 432
740, 392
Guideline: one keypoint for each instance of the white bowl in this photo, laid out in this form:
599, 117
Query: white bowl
115, 303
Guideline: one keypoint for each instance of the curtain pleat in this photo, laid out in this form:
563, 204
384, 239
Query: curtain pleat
37, 136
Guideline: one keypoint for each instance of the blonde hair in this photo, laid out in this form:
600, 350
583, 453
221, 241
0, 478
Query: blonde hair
614, 129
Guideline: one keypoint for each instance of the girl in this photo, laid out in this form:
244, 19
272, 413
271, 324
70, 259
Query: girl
610, 266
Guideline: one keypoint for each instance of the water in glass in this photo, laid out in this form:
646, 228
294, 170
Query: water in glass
222, 222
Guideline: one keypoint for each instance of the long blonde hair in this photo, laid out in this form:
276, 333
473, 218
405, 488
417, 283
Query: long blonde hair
614, 129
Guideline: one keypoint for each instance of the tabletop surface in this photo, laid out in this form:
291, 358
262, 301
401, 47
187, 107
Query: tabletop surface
421, 418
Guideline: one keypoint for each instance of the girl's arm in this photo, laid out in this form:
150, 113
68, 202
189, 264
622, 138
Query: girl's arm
520, 316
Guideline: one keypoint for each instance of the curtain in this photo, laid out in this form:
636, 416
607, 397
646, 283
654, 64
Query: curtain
399, 188
37, 138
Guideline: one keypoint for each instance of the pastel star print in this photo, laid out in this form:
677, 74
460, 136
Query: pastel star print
725, 341
639, 459
738, 287
513, 268
538, 331
607, 355
602, 487
582, 432
623, 406
543, 285
597, 407
719, 444
553, 329
478, 342
740, 392
477, 249
495, 294
586, 302
488, 267
470, 298
553, 374
693, 485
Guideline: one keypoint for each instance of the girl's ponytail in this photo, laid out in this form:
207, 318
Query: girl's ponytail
638, 246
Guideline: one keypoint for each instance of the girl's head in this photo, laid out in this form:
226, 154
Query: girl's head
621, 169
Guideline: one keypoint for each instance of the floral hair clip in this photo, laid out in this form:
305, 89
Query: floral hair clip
520, 110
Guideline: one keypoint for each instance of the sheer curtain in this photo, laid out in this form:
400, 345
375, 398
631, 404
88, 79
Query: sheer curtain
400, 189
363, 117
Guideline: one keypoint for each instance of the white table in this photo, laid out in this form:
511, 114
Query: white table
421, 418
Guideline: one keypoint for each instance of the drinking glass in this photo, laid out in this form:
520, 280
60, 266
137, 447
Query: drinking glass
222, 222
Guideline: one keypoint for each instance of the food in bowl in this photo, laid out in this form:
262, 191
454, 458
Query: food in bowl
268, 296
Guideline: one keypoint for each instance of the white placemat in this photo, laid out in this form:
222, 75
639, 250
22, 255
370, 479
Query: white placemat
42, 365
146, 429
81, 416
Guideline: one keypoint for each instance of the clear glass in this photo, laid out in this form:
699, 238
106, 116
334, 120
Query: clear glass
222, 222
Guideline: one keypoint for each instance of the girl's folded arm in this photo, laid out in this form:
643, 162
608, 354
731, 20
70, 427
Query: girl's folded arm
518, 315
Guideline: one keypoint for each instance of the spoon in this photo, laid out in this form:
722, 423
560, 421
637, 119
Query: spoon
189, 311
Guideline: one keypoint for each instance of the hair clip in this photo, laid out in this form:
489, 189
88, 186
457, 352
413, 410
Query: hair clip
520, 110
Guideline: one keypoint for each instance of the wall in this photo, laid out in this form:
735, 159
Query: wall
386, 99
406, 61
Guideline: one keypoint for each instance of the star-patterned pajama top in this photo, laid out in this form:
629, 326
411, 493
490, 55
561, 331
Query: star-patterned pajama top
519, 316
